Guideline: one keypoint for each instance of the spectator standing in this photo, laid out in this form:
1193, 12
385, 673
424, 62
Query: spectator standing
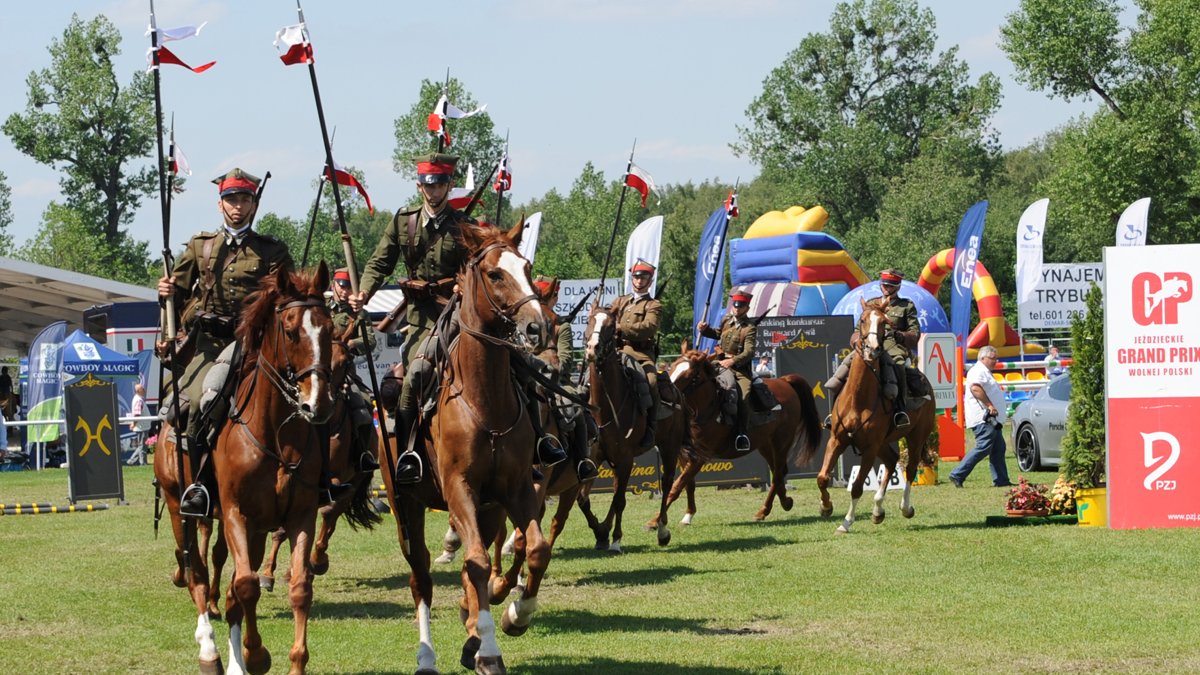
1054, 366
985, 414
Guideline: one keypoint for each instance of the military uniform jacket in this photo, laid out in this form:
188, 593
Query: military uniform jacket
637, 320
432, 254
342, 314
236, 270
736, 338
903, 315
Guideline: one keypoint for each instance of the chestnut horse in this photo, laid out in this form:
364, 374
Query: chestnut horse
863, 418
778, 439
343, 466
613, 396
480, 446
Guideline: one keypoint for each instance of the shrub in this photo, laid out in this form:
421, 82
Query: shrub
1084, 446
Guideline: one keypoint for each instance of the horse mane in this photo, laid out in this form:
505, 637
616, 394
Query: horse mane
259, 307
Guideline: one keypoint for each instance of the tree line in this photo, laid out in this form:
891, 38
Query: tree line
893, 138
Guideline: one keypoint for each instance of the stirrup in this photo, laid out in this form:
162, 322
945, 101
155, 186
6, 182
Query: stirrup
550, 451
741, 443
828, 423
195, 502
409, 469
901, 419
586, 470
330, 492
367, 463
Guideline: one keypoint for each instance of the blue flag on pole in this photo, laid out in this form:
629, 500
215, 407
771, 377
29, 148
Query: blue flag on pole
966, 254
710, 277
45, 382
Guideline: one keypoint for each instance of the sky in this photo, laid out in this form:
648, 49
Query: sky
571, 81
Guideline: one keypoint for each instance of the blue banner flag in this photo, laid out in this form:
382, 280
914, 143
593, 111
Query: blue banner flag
45, 382
710, 277
966, 254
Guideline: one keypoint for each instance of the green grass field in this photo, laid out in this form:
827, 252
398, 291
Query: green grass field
941, 593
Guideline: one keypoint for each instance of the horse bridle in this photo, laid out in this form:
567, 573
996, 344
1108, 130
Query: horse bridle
505, 312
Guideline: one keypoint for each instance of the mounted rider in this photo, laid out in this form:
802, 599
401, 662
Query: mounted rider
735, 353
342, 314
899, 340
429, 240
637, 315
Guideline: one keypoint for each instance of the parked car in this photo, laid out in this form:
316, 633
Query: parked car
1040, 424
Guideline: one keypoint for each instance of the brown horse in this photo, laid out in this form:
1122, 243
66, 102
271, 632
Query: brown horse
863, 418
778, 439
480, 446
343, 467
613, 396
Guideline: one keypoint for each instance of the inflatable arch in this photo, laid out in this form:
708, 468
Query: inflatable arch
993, 328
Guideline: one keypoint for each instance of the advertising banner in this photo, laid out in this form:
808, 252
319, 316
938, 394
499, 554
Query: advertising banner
935, 356
1059, 296
571, 291
1152, 363
93, 445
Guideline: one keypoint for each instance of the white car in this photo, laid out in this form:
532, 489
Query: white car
1040, 424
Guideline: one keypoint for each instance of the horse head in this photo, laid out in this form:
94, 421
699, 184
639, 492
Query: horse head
692, 369
497, 290
286, 332
600, 337
872, 326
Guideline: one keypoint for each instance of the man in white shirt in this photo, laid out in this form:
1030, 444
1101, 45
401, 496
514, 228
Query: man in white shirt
985, 413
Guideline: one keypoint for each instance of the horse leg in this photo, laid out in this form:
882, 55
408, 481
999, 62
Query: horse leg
504, 581
411, 515
246, 653
220, 553
480, 649
828, 466
266, 575
669, 462
617, 508
559, 521
320, 546
194, 576
451, 542
686, 481
584, 500
777, 462
856, 491
516, 619
877, 512
300, 586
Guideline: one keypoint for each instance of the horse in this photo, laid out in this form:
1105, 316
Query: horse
480, 446
863, 418
612, 393
342, 466
795, 428
265, 458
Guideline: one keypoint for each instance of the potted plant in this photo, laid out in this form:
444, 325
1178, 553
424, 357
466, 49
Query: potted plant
1062, 497
1027, 499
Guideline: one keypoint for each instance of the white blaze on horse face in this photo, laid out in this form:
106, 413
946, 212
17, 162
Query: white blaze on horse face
593, 340
873, 334
313, 332
515, 266
679, 371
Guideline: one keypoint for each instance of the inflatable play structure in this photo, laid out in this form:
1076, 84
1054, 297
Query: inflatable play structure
993, 328
930, 314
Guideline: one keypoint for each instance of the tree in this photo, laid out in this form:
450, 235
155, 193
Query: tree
79, 119
1084, 445
473, 139
6, 241
67, 241
848, 109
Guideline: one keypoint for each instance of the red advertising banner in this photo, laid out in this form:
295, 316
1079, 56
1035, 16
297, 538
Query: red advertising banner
1152, 382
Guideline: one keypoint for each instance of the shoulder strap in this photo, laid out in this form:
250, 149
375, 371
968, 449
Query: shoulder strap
412, 256
206, 273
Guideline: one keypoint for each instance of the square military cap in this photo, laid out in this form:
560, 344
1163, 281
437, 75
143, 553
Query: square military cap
236, 181
891, 276
435, 168
642, 265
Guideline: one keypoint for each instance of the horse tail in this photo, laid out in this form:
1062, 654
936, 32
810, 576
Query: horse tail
360, 513
810, 420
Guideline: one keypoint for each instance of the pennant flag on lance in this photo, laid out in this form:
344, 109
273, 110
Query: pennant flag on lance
180, 33
179, 161
444, 110
460, 197
503, 175
731, 205
346, 178
639, 179
167, 56
299, 49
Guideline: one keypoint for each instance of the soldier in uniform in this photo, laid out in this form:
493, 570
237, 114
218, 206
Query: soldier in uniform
212, 276
360, 410
898, 342
558, 351
637, 315
735, 346
428, 239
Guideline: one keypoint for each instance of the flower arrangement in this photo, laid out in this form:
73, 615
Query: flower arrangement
1027, 496
1062, 497
151, 442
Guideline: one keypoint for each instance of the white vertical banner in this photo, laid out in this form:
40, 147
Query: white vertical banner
644, 243
529, 238
1131, 228
1030, 231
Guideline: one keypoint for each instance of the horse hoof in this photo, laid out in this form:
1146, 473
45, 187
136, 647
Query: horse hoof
909, 512
266, 583
490, 665
786, 503
428, 671
445, 558
841, 529
212, 667
469, 649
877, 519
602, 544
664, 537
760, 516
322, 567
258, 661
214, 612
511, 629
498, 591
826, 512
615, 548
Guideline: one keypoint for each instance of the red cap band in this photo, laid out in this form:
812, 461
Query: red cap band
893, 279
237, 183
437, 169
341, 274
740, 297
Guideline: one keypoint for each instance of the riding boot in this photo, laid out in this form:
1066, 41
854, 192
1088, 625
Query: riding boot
742, 442
585, 468
832, 392
196, 501
900, 418
409, 466
549, 449
328, 491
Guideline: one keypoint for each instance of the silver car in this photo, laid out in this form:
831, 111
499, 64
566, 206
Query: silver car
1039, 425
